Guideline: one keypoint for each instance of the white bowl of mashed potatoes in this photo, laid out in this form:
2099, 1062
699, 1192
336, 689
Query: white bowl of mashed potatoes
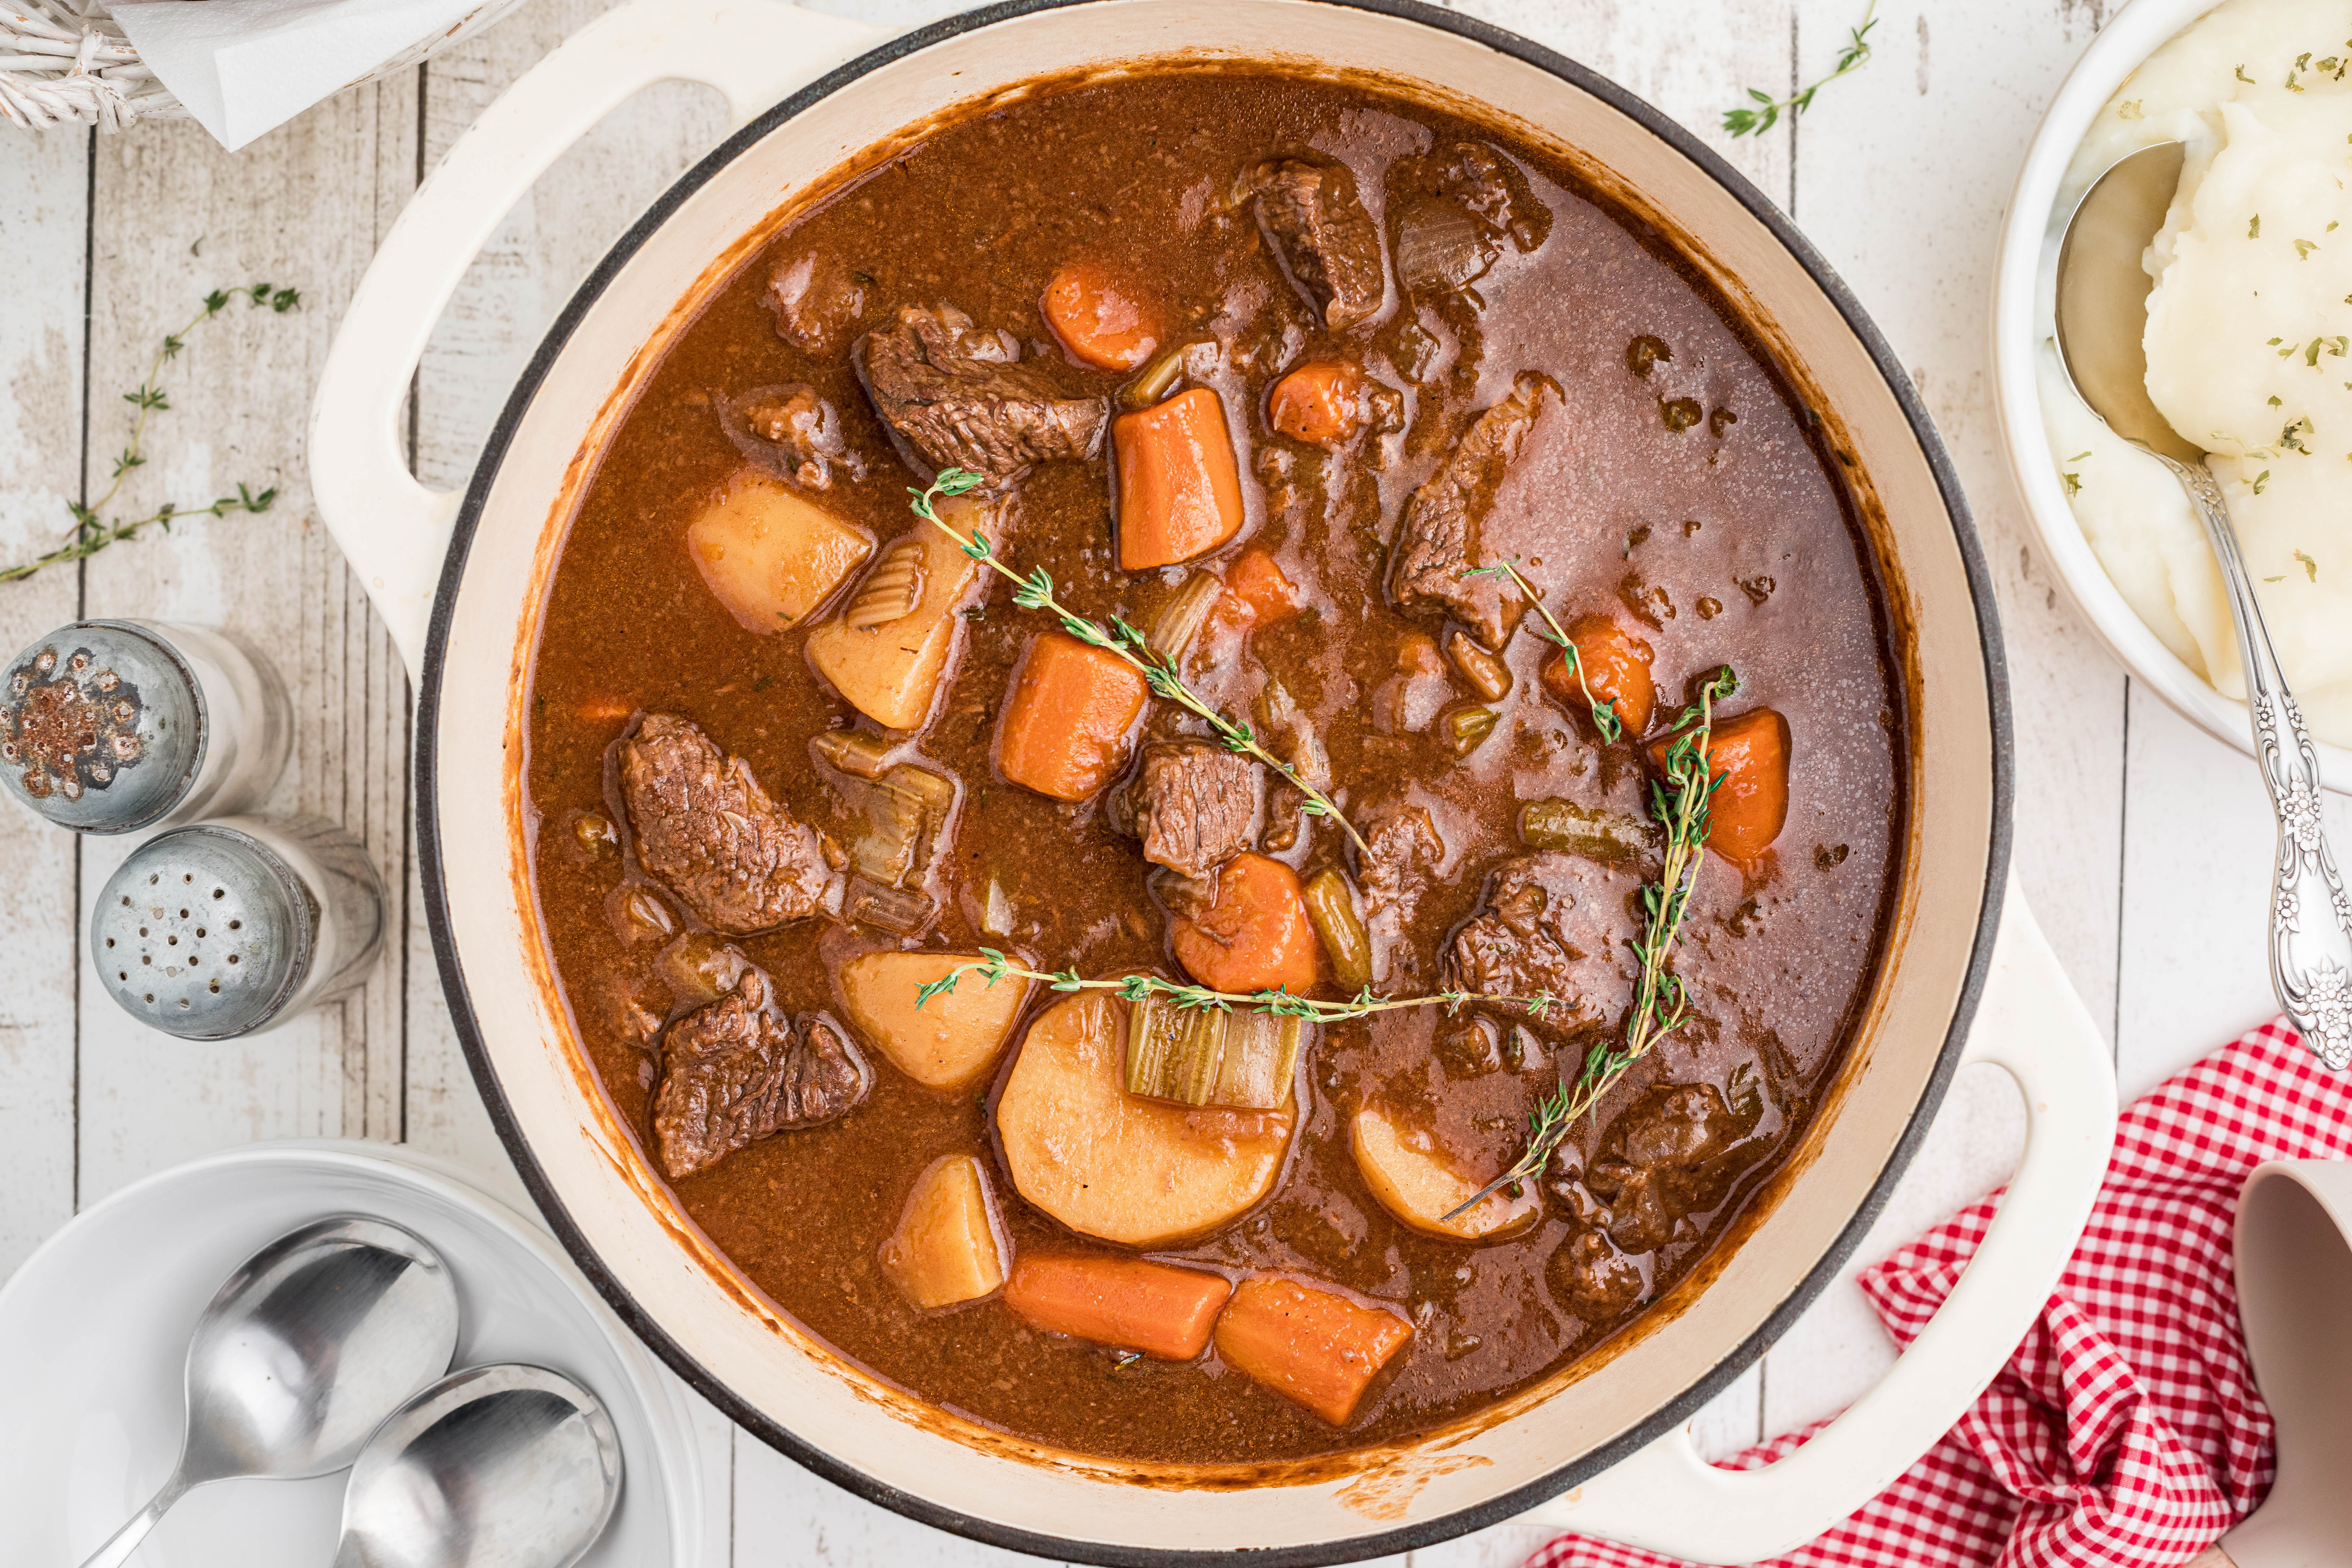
2249, 346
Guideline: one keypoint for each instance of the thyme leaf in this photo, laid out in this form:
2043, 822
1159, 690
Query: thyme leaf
1745, 121
1036, 592
994, 965
92, 532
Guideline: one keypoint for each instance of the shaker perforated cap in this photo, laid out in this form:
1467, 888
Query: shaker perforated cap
204, 932
101, 727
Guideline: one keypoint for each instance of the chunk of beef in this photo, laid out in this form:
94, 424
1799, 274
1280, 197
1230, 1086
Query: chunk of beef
1673, 1152
1398, 868
1592, 1279
955, 394
1491, 186
816, 299
1438, 537
1313, 220
1196, 806
705, 828
1553, 925
737, 1071
791, 431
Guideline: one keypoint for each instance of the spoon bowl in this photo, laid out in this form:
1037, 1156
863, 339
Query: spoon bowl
495, 1467
2102, 320
301, 1355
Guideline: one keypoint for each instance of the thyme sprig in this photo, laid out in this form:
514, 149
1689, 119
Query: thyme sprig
1036, 592
90, 533
992, 966
1604, 714
1743, 122
1682, 802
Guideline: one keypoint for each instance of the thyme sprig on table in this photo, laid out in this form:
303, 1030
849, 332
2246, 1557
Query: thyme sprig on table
1604, 714
1036, 592
90, 533
992, 966
1743, 122
1682, 802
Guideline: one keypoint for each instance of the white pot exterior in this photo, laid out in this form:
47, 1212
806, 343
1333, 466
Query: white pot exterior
587, 1169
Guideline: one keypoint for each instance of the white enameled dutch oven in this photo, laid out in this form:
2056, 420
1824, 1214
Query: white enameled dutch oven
1601, 1448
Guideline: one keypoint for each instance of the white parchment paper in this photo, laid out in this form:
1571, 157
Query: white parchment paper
243, 67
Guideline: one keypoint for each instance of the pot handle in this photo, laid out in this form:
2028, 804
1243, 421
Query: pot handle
2030, 1023
394, 531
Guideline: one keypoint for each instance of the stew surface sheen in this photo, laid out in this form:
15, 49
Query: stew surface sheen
1673, 485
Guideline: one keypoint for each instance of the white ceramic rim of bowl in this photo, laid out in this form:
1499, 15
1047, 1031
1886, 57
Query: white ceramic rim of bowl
659, 1397
2022, 320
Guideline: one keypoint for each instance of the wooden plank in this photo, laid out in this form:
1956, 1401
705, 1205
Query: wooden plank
2197, 886
176, 217
786, 1515
44, 237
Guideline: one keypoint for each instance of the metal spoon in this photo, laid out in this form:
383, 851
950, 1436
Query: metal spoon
495, 1467
303, 1352
2102, 310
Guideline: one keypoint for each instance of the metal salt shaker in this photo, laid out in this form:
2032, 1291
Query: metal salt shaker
113, 726
230, 927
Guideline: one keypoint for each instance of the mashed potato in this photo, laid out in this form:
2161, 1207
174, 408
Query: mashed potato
2249, 345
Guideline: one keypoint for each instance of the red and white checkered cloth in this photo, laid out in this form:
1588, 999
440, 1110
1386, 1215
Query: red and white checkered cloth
2126, 1429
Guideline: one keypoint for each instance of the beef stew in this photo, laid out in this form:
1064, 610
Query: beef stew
762, 836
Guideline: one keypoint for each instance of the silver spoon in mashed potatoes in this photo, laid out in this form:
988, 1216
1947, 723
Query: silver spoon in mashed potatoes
2102, 316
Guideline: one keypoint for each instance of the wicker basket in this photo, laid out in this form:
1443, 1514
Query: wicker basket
65, 62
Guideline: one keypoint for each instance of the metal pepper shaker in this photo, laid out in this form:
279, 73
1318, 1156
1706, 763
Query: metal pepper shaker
113, 726
230, 927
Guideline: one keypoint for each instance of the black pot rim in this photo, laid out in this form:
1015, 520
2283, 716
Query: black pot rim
1494, 1510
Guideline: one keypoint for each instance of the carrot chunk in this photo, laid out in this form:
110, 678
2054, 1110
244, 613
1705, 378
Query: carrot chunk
1099, 316
1322, 402
1155, 1308
1255, 935
1316, 1347
1751, 805
1263, 590
1179, 493
1616, 667
1065, 729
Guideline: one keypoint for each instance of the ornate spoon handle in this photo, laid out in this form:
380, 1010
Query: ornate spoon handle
2311, 919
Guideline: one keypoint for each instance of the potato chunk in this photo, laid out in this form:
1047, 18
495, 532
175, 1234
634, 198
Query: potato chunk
1415, 1182
890, 669
769, 553
953, 1038
947, 1248
1106, 1163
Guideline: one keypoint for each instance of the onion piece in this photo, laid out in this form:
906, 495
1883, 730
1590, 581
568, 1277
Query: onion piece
1440, 248
1180, 620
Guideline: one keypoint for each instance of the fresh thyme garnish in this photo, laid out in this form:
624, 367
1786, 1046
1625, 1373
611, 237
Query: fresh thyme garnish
1036, 592
1604, 714
1744, 122
993, 966
90, 534
1682, 802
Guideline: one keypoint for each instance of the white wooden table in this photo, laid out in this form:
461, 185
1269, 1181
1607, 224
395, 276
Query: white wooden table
2142, 844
